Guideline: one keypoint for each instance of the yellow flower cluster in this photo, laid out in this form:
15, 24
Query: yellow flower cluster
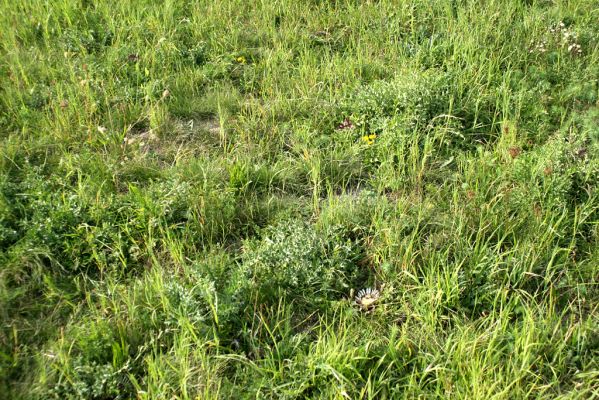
241, 60
369, 139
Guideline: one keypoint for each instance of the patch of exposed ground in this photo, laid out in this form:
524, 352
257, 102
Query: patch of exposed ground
177, 139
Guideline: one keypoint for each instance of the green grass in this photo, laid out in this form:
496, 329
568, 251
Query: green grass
191, 193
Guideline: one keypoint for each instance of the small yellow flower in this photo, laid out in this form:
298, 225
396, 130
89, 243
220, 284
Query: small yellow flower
241, 60
369, 139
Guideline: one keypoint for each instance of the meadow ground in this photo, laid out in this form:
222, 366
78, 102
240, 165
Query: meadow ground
192, 194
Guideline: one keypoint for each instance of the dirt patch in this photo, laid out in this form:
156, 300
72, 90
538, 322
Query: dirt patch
176, 140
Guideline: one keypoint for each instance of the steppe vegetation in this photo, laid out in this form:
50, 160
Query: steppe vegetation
299, 199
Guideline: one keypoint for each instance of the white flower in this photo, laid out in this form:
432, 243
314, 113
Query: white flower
367, 297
